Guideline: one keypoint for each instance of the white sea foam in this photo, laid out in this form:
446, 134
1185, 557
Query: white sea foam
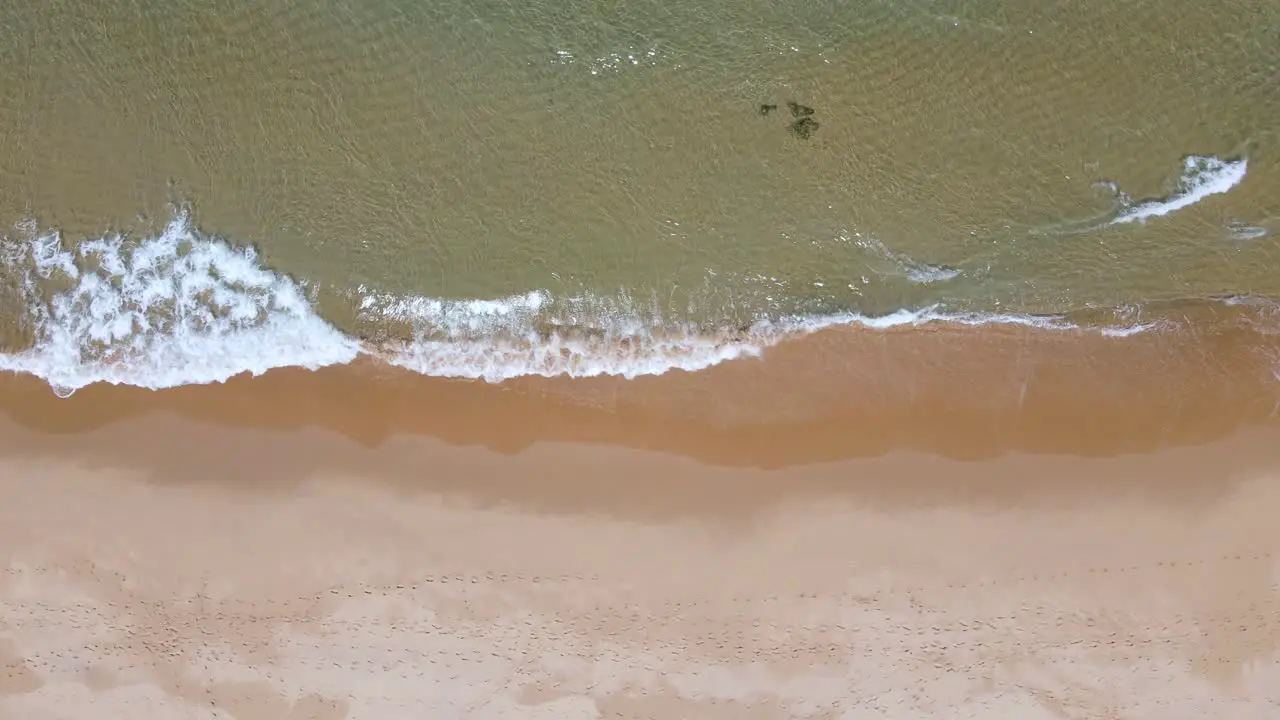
534, 334
922, 274
1201, 178
455, 319
183, 308
614, 351
917, 272
500, 359
933, 314
1242, 232
496, 340
176, 309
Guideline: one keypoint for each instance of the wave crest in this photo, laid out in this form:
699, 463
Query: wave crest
174, 309
1201, 177
185, 308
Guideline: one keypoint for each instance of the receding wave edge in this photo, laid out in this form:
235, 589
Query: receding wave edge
184, 308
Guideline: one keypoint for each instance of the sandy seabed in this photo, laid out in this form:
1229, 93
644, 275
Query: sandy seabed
357, 543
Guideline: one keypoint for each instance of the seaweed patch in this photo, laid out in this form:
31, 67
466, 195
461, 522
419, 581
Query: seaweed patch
798, 110
804, 126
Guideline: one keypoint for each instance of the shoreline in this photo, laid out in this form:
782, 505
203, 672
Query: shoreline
955, 391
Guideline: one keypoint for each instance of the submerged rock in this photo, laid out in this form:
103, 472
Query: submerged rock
804, 127
798, 110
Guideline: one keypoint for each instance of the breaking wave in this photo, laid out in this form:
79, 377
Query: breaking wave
185, 308
1201, 178
175, 309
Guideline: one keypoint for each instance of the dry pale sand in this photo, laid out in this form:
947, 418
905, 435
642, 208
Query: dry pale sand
227, 552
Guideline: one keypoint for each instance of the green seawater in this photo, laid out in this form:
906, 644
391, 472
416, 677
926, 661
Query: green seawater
967, 153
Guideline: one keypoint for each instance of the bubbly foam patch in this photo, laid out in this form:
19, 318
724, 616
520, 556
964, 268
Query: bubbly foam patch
175, 309
1201, 178
184, 308
535, 334
920, 273
617, 341
504, 358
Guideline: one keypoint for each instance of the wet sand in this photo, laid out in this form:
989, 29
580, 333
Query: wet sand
1003, 523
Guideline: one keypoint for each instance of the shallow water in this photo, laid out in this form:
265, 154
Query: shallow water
601, 176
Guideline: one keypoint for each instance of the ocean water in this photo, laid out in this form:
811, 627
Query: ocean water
193, 190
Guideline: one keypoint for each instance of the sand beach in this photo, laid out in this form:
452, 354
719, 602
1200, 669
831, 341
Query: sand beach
364, 543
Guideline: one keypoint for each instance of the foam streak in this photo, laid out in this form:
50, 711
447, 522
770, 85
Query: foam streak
1201, 177
183, 308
